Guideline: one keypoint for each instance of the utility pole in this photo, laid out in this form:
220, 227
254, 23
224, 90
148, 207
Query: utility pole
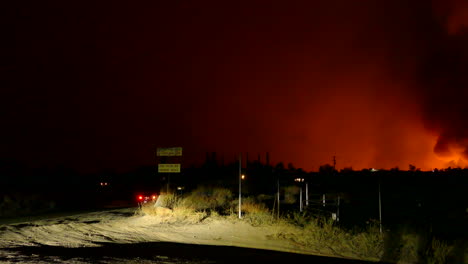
307, 193
380, 211
334, 163
338, 210
300, 198
278, 198
168, 182
240, 185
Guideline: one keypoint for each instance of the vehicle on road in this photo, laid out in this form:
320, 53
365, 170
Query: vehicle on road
146, 197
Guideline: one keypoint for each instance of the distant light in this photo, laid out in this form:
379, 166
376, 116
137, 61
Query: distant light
140, 197
299, 180
154, 197
242, 176
373, 170
180, 188
102, 184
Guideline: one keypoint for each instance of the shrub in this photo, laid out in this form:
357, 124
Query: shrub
251, 206
204, 198
322, 235
409, 250
438, 252
256, 213
367, 244
290, 193
178, 213
260, 219
167, 200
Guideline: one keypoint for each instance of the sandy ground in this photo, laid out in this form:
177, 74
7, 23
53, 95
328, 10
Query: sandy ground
123, 226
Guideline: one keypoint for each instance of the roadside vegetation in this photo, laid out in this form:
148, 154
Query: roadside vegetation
22, 204
306, 230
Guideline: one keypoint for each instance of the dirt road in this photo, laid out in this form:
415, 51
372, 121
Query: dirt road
121, 236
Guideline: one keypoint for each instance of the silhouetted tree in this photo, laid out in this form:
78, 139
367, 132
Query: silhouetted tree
347, 170
279, 167
326, 169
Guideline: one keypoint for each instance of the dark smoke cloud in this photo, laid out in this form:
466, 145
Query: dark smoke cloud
446, 82
374, 83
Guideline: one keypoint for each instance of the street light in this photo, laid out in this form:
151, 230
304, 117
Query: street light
380, 204
240, 185
300, 192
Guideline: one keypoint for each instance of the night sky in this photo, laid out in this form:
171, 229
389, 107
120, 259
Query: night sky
101, 85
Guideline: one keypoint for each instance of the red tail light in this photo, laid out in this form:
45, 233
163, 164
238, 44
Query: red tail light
140, 197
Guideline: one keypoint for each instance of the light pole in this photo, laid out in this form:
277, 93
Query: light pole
380, 203
380, 210
240, 186
300, 181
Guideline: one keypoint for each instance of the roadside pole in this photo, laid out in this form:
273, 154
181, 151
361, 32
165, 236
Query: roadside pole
278, 198
380, 211
300, 198
240, 186
168, 182
338, 210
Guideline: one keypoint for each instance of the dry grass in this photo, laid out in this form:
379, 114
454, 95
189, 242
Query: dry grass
191, 208
204, 198
321, 235
438, 252
290, 194
409, 251
178, 214
307, 231
17, 204
250, 206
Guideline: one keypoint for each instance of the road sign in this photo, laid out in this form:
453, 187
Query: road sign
170, 168
177, 151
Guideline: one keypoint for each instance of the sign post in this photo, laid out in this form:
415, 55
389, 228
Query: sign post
240, 186
169, 167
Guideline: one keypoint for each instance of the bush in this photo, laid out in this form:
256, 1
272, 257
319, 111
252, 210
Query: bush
191, 208
322, 235
22, 204
205, 198
167, 200
170, 209
251, 206
438, 252
290, 193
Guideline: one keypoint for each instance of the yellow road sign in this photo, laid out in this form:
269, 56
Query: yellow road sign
170, 168
177, 151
